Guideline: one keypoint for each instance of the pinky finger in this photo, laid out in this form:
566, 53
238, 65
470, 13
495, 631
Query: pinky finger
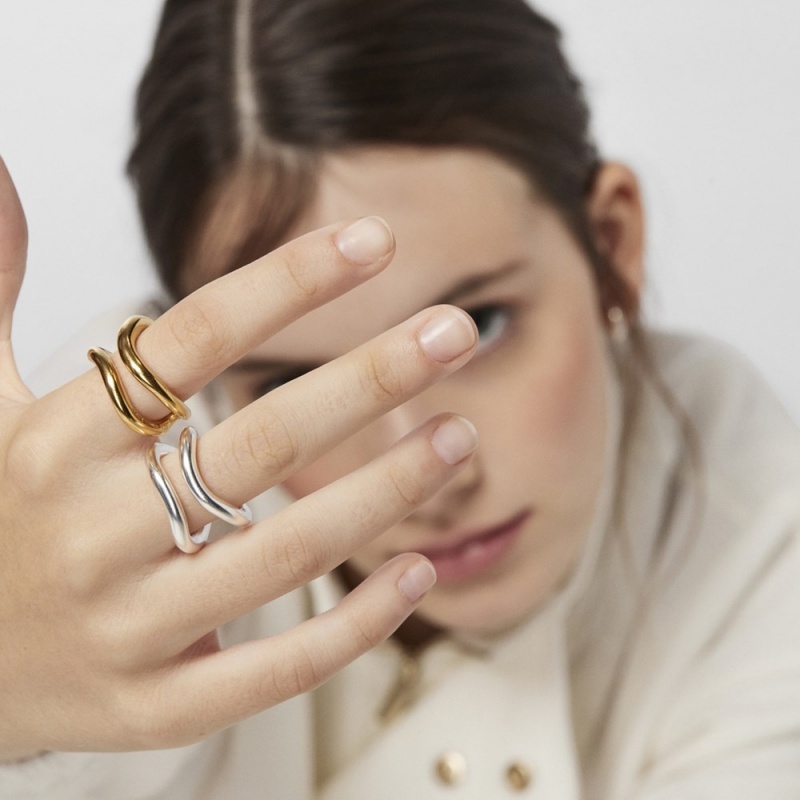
242, 680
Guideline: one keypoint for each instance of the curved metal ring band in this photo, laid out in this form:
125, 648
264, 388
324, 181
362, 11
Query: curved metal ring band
187, 447
119, 397
126, 344
186, 541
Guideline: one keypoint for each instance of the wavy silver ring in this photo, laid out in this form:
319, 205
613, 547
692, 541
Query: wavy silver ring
187, 447
184, 539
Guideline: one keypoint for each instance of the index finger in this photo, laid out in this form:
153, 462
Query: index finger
224, 320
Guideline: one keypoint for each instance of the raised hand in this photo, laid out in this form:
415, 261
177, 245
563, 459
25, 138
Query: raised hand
108, 630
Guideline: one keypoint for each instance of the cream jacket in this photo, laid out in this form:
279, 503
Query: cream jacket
668, 668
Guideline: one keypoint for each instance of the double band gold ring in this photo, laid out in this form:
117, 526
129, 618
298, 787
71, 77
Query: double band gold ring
126, 344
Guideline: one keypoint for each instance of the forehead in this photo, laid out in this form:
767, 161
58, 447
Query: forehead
455, 214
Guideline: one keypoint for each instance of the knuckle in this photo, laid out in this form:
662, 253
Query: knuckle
297, 557
406, 487
381, 378
302, 281
32, 464
271, 444
295, 675
202, 330
367, 634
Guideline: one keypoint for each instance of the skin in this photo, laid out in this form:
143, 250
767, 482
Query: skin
114, 630
107, 627
536, 389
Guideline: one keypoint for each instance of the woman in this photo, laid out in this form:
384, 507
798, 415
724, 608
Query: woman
617, 563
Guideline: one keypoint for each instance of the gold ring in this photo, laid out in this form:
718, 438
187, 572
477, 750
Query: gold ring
116, 391
126, 343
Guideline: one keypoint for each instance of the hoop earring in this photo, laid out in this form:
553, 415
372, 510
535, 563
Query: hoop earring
617, 325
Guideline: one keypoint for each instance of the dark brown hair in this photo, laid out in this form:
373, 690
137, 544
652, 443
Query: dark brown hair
247, 94
242, 97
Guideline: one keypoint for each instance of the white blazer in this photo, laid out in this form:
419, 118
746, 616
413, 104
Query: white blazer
668, 668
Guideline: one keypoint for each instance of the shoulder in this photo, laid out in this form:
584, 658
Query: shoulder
711, 377
746, 437
712, 670
717, 504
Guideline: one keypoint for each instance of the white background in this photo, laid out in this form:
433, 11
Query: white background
701, 97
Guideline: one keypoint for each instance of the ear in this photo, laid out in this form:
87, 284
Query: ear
617, 219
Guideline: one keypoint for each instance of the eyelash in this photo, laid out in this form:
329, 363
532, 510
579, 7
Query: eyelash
492, 320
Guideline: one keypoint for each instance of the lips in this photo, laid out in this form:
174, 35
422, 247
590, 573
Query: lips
477, 552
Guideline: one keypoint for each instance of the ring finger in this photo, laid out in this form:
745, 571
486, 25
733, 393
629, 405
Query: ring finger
315, 534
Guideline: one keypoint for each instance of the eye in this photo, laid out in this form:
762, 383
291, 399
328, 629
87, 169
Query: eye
492, 322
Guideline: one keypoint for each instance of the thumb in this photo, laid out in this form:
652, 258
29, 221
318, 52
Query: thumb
13, 249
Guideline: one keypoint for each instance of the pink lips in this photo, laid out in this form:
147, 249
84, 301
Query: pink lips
477, 552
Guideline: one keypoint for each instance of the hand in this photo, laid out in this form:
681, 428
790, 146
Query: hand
108, 631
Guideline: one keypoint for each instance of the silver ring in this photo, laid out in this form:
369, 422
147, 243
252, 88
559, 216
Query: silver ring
187, 447
186, 541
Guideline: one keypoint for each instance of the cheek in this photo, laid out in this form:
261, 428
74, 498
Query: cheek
576, 405
559, 402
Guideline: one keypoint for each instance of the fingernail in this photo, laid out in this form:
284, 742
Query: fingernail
366, 241
414, 582
448, 335
454, 440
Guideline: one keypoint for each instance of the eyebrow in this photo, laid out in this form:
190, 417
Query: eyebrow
464, 288
477, 282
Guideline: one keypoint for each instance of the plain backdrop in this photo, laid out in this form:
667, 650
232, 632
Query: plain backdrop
701, 97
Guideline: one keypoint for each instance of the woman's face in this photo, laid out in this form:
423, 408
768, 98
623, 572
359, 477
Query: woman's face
507, 531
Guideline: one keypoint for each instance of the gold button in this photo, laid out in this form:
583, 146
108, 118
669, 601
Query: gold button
450, 768
519, 776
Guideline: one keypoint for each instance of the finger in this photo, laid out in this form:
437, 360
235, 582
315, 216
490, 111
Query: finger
281, 433
219, 323
215, 692
13, 249
293, 426
317, 533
